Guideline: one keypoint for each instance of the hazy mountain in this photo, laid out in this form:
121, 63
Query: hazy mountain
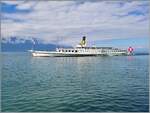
20, 44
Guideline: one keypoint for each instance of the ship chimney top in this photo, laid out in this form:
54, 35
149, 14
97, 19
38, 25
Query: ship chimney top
84, 38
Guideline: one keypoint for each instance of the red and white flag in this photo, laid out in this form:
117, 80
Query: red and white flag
130, 49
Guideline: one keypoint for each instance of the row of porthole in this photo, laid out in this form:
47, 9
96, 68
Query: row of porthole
86, 51
116, 51
112, 51
68, 51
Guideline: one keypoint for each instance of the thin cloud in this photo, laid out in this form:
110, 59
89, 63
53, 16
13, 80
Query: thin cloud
70, 20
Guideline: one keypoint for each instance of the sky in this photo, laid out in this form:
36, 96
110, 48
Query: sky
104, 23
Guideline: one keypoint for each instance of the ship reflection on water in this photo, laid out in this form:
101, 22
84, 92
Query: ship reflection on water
130, 58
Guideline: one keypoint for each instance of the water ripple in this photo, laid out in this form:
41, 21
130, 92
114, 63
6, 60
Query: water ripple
96, 84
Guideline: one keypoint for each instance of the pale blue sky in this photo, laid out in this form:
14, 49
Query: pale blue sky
112, 23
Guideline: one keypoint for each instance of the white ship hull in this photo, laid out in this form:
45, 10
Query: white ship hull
58, 54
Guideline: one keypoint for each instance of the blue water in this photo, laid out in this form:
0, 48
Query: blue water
118, 83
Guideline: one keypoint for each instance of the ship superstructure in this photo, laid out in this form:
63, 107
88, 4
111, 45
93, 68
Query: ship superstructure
82, 50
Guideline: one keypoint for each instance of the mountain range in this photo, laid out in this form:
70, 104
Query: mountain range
14, 44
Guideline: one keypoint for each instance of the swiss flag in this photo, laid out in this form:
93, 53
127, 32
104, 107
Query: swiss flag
130, 49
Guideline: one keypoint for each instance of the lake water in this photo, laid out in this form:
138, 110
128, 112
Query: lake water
77, 84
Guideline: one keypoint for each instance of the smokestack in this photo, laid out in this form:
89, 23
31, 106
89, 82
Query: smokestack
83, 38
83, 41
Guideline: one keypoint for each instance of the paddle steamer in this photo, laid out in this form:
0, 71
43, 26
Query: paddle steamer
82, 50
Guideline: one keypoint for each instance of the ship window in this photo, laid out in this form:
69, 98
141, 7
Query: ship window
72, 50
69, 50
59, 50
76, 51
62, 50
66, 50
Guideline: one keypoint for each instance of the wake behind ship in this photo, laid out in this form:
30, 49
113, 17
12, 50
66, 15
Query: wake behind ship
82, 50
